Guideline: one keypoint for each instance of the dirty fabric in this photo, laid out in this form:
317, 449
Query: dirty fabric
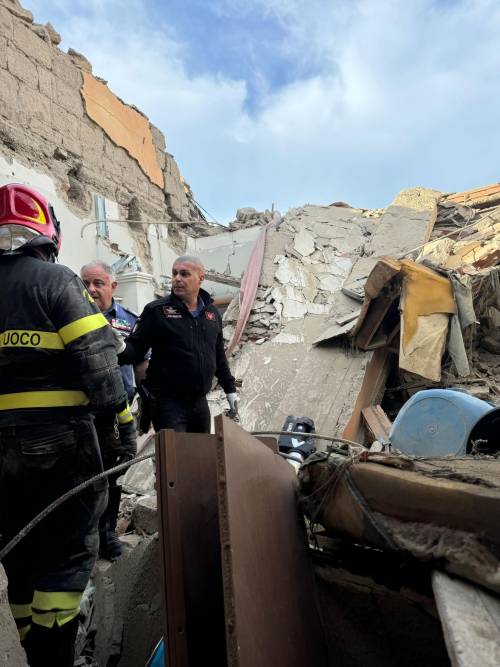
437, 509
464, 317
249, 286
425, 349
425, 292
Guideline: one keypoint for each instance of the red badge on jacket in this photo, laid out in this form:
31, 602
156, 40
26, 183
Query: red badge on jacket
210, 316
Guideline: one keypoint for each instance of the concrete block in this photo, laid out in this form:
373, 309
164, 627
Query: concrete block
26, 39
6, 26
145, 515
72, 145
11, 652
158, 137
3, 53
22, 67
46, 83
69, 98
54, 36
128, 619
80, 60
9, 89
64, 122
14, 7
140, 478
45, 131
34, 104
92, 137
64, 69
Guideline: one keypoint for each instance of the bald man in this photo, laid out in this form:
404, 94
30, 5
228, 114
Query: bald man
184, 332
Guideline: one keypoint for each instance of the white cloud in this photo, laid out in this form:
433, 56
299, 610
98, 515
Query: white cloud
396, 94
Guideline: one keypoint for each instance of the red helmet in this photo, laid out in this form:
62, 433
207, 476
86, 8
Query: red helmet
26, 218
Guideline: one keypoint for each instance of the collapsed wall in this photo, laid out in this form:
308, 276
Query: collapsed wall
314, 263
63, 132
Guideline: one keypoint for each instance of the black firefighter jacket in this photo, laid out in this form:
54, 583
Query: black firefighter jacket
57, 353
186, 351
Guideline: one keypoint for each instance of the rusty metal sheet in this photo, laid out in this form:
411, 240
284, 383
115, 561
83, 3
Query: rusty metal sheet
269, 595
190, 548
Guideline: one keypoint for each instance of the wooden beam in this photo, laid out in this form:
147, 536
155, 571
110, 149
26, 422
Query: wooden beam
377, 423
470, 617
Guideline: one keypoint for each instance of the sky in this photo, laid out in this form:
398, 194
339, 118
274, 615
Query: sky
292, 102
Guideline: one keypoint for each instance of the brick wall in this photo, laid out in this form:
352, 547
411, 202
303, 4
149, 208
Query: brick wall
44, 125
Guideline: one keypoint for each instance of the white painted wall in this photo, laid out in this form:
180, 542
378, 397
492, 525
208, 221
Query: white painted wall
227, 252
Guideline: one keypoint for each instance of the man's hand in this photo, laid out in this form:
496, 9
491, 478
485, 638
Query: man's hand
119, 341
127, 446
233, 400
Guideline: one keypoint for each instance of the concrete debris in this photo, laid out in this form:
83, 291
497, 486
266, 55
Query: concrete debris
11, 652
127, 619
250, 217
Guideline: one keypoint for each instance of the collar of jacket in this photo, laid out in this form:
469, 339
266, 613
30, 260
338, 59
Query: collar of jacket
205, 297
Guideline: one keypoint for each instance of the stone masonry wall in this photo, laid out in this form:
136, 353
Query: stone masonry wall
44, 125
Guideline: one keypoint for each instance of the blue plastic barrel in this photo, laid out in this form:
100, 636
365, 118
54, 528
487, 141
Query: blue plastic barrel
437, 422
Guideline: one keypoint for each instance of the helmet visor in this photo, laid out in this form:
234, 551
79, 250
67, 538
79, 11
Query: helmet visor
14, 237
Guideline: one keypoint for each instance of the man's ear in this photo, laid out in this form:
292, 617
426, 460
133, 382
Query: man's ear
202, 276
114, 285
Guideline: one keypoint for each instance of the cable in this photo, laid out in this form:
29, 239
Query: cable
123, 466
66, 496
309, 435
148, 222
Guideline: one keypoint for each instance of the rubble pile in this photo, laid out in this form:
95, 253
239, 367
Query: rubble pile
308, 256
250, 217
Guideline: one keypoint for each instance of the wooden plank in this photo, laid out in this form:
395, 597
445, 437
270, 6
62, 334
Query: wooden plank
270, 442
470, 617
371, 392
270, 605
377, 422
189, 537
378, 309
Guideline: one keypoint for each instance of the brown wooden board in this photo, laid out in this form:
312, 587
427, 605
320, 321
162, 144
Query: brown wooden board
372, 390
190, 548
269, 596
377, 422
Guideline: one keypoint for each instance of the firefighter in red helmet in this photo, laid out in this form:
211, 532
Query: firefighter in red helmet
57, 365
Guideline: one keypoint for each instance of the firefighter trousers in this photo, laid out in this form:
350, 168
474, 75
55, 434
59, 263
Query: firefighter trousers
191, 416
49, 569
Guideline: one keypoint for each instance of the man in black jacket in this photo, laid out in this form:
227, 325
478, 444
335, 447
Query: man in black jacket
57, 365
184, 332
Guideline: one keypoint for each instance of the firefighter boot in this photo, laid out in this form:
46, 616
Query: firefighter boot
51, 647
110, 546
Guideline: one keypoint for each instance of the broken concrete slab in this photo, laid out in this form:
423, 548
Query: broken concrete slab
405, 227
11, 652
128, 619
145, 515
140, 478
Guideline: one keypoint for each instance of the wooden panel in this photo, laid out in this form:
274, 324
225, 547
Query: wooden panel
470, 617
190, 547
270, 605
371, 392
377, 422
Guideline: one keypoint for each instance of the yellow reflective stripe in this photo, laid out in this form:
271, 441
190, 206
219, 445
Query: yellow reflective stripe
23, 632
83, 326
49, 340
20, 610
55, 607
125, 416
43, 399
